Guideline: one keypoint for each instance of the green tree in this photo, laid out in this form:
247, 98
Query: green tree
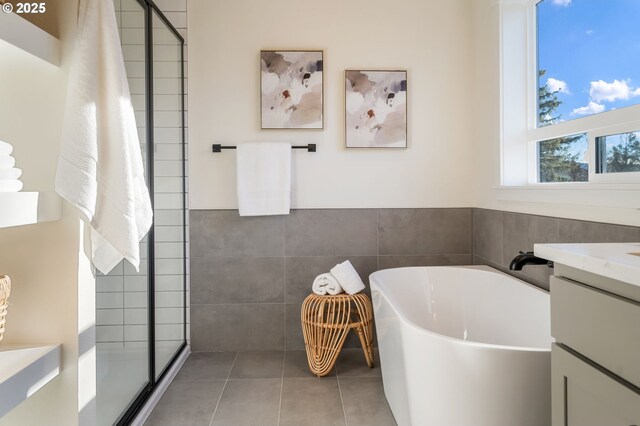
626, 156
556, 162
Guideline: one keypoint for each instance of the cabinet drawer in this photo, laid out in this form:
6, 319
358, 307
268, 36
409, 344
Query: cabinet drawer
600, 326
582, 395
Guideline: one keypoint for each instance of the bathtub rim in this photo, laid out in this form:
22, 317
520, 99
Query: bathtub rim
455, 340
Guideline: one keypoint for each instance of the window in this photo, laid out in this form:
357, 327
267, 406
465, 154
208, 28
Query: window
588, 62
618, 153
564, 159
588, 57
570, 92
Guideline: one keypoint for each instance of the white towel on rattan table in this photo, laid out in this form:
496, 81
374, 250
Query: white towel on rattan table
348, 277
264, 178
326, 284
100, 170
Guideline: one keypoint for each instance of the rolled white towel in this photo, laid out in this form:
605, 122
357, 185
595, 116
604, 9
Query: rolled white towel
10, 185
10, 174
348, 277
326, 283
7, 161
5, 148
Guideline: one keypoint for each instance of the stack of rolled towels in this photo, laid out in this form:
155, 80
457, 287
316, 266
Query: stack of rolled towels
9, 175
342, 278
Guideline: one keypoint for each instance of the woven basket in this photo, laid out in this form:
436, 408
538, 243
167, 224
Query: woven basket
5, 290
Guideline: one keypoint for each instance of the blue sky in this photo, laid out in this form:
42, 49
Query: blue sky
591, 51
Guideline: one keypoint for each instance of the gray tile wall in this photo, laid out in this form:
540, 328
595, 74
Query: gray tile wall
498, 236
250, 275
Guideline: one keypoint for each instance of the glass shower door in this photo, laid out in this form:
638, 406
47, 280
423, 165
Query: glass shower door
122, 296
140, 316
169, 194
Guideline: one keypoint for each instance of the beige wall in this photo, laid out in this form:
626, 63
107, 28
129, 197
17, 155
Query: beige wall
44, 260
486, 146
430, 38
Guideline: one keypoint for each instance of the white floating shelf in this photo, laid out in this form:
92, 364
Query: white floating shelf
26, 36
26, 208
23, 371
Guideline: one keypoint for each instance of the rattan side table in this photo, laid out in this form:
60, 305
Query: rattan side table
326, 321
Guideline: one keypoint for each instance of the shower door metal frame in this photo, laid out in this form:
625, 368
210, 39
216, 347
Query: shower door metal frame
138, 403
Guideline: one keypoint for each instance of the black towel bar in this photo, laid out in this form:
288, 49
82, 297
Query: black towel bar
218, 148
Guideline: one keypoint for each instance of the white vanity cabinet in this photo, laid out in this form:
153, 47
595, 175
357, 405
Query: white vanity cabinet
595, 320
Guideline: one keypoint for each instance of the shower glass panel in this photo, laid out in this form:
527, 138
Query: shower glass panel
169, 194
140, 316
122, 311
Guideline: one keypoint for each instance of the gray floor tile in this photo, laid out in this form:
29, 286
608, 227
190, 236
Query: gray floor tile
352, 363
187, 403
207, 366
297, 366
258, 365
311, 402
249, 403
365, 403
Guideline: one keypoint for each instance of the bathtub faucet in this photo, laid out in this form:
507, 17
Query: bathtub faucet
527, 258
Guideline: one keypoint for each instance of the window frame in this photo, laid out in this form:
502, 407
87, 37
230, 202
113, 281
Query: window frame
521, 147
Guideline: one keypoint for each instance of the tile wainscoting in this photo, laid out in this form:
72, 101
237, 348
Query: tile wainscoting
249, 275
499, 235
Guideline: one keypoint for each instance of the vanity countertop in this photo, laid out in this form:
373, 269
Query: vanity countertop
618, 261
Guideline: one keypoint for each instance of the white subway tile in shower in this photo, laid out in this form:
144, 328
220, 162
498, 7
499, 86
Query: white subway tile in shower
169, 234
109, 333
169, 266
169, 299
109, 316
136, 316
169, 283
168, 201
109, 300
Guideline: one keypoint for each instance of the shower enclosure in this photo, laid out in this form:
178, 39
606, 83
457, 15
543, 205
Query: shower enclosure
141, 316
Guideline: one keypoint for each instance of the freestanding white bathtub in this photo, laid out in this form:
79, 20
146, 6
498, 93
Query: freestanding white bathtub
463, 346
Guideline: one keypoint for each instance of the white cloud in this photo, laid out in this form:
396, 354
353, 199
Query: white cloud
556, 85
589, 32
636, 92
602, 91
562, 2
591, 108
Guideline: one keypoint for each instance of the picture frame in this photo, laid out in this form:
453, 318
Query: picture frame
292, 89
376, 108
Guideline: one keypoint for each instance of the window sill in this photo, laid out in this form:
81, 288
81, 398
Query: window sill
581, 194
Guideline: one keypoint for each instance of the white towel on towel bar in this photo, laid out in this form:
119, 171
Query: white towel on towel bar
264, 178
100, 170
348, 277
326, 284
